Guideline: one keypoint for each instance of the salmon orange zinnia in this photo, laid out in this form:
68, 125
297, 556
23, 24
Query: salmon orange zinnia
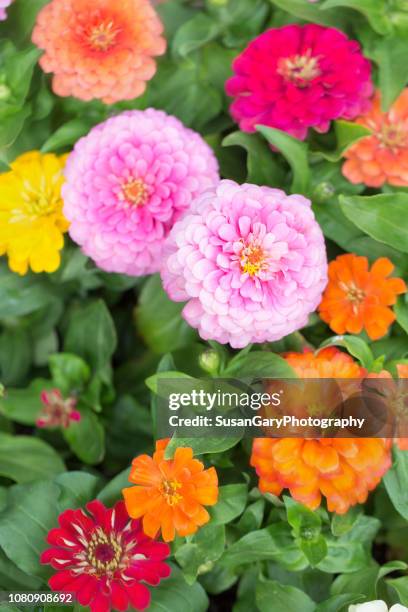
342, 470
31, 219
171, 493
102, 49
381, 157
358, 297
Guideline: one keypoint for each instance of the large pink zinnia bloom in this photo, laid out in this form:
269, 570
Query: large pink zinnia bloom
3, 5
249, 261
296, 77
128, 181
104, 558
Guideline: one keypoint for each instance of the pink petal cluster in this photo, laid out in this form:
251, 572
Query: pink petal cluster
57, 411
296, 77
249, 261
128, 181
3, 5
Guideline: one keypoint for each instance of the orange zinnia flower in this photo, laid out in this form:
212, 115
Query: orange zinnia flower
343, 470
383, 156
171, 493
358, 298
100, 49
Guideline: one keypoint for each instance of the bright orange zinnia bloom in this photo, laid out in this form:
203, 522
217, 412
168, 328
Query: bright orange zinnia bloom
171, 493
358, 298
100, 49
343, 470
381, 157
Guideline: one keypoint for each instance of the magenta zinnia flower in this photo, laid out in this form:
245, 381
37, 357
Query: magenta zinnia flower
103, 558
57, 411
296, 77
3, 5
128, 181
249, 261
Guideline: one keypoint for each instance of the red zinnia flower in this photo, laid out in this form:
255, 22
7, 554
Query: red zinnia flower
103, 557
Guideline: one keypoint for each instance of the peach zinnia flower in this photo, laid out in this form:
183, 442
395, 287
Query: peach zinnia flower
343, 470
381, 157
102, 49
358, 298
171, 493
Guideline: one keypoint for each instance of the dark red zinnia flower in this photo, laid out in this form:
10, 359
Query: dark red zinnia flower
103, 558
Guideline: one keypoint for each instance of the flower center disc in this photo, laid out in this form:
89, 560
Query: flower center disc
393, 135
104, 552
135, 192
253, 260
299, 69
103, 36
169, 490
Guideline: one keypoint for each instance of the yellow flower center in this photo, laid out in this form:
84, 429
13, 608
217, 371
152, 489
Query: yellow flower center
393, 135
135, 192
354, 294
299, 69
103, 36
253, 259
42, 201
169, 490
104, 552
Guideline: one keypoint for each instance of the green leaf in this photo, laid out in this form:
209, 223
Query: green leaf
284, 597
112, 492
401, 310
307, 528
91, 334
258, 364
15, 355
77, 489
339, 602
252, 518
401, 586
202, 446
373, 10
274, 543
69, 372
390, 55
396, 482
296, 153
343, 523
21, 296
30, 513
86, 437
12, 125
13, 579
362, 581
67, 135
311, 12
24, 458
22, 17
159, 320
175, 594
194, 34
261, 162
231, 503
383, 217
355, 346
200, 553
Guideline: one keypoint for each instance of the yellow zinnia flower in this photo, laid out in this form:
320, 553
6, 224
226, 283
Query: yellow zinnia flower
31, 219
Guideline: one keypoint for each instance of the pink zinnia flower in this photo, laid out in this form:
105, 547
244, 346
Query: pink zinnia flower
3, 5
128, 181
296, 77
57, 411
249, 261
103, 557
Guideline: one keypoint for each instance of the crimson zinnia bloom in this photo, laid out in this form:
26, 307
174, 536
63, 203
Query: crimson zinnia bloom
103, 557
296, 77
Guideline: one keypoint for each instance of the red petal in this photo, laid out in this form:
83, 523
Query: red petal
139, 596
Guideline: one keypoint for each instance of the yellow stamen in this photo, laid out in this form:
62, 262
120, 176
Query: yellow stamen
169, 489
135, 192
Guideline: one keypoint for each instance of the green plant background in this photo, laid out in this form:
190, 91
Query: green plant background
101, 336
